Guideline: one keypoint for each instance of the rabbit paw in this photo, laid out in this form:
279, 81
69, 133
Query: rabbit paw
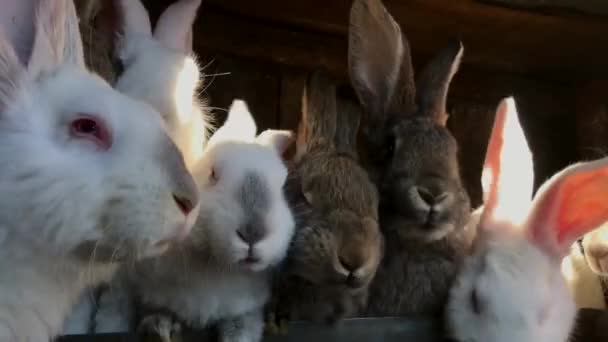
164, 326
276, 325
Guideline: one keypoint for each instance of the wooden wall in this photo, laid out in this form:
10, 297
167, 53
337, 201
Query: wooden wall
556, 65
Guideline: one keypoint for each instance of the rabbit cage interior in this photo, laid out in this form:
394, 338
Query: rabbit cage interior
551, 55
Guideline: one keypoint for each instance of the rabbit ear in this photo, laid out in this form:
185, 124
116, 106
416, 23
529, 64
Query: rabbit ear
11, 73
379, 60
568, 205
278, 139
57, 40
348, 119
239, 125
508, 174
135, 18
434, 82
174, 27
318, 123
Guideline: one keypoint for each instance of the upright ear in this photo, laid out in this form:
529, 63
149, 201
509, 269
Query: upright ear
174, 27
239, 125
348, 118
135, 18
568, 205
277, 139
434, 81
11, 74
57, 39
318, 123
508, 173
379, 61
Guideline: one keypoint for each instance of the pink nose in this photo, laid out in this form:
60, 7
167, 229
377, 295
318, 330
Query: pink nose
184, 204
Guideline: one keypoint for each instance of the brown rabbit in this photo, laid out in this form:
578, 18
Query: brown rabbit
412, 158
337, 245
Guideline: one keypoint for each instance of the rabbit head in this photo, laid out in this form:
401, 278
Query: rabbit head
245, 220
86, 171
409, 152
595, 245
160, 69
338, 241
511, 287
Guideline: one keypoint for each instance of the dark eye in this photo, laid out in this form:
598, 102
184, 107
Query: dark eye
389, 148
93, 129
213, 176
475, 303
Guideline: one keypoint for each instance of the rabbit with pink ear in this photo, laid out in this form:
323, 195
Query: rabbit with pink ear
160, 69
88, 178
511, 287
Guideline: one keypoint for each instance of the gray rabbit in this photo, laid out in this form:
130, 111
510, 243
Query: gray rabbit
337, 245
412, 158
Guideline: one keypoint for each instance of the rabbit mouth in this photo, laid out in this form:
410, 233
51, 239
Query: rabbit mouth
427, 226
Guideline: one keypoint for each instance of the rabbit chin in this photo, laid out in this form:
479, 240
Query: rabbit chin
265, 254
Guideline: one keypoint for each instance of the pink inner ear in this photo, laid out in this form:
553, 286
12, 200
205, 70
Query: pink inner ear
508, 171
570, 205
591, 198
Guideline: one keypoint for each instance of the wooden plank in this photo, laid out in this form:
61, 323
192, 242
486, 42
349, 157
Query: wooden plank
592, 119
290, 102
593, 7
590, 327
496, 37
229, 77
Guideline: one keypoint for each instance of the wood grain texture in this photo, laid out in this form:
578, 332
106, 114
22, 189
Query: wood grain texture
593, 7
231, 77
592, 119
519, 41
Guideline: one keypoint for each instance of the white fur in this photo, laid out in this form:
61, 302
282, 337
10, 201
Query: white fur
204, 281
161, 70
61, 194
79, 320
518, 279
515, 266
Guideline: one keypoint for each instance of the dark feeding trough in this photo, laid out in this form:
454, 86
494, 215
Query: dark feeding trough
591, 326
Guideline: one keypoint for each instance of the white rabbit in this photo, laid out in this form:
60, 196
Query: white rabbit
88, 177
160, 69
221, 274
511, 287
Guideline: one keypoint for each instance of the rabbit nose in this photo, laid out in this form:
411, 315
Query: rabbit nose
431, 198
353, 279
184, 204
250, 236
348, 265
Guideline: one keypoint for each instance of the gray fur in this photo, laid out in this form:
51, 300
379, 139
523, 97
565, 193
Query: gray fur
413, 159
254, 197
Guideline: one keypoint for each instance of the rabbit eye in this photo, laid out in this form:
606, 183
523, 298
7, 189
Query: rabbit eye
213, 176
389, 149
93, 129
475, 302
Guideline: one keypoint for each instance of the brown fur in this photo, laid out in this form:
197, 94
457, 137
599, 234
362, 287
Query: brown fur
412, 158
97, 26
335, 205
